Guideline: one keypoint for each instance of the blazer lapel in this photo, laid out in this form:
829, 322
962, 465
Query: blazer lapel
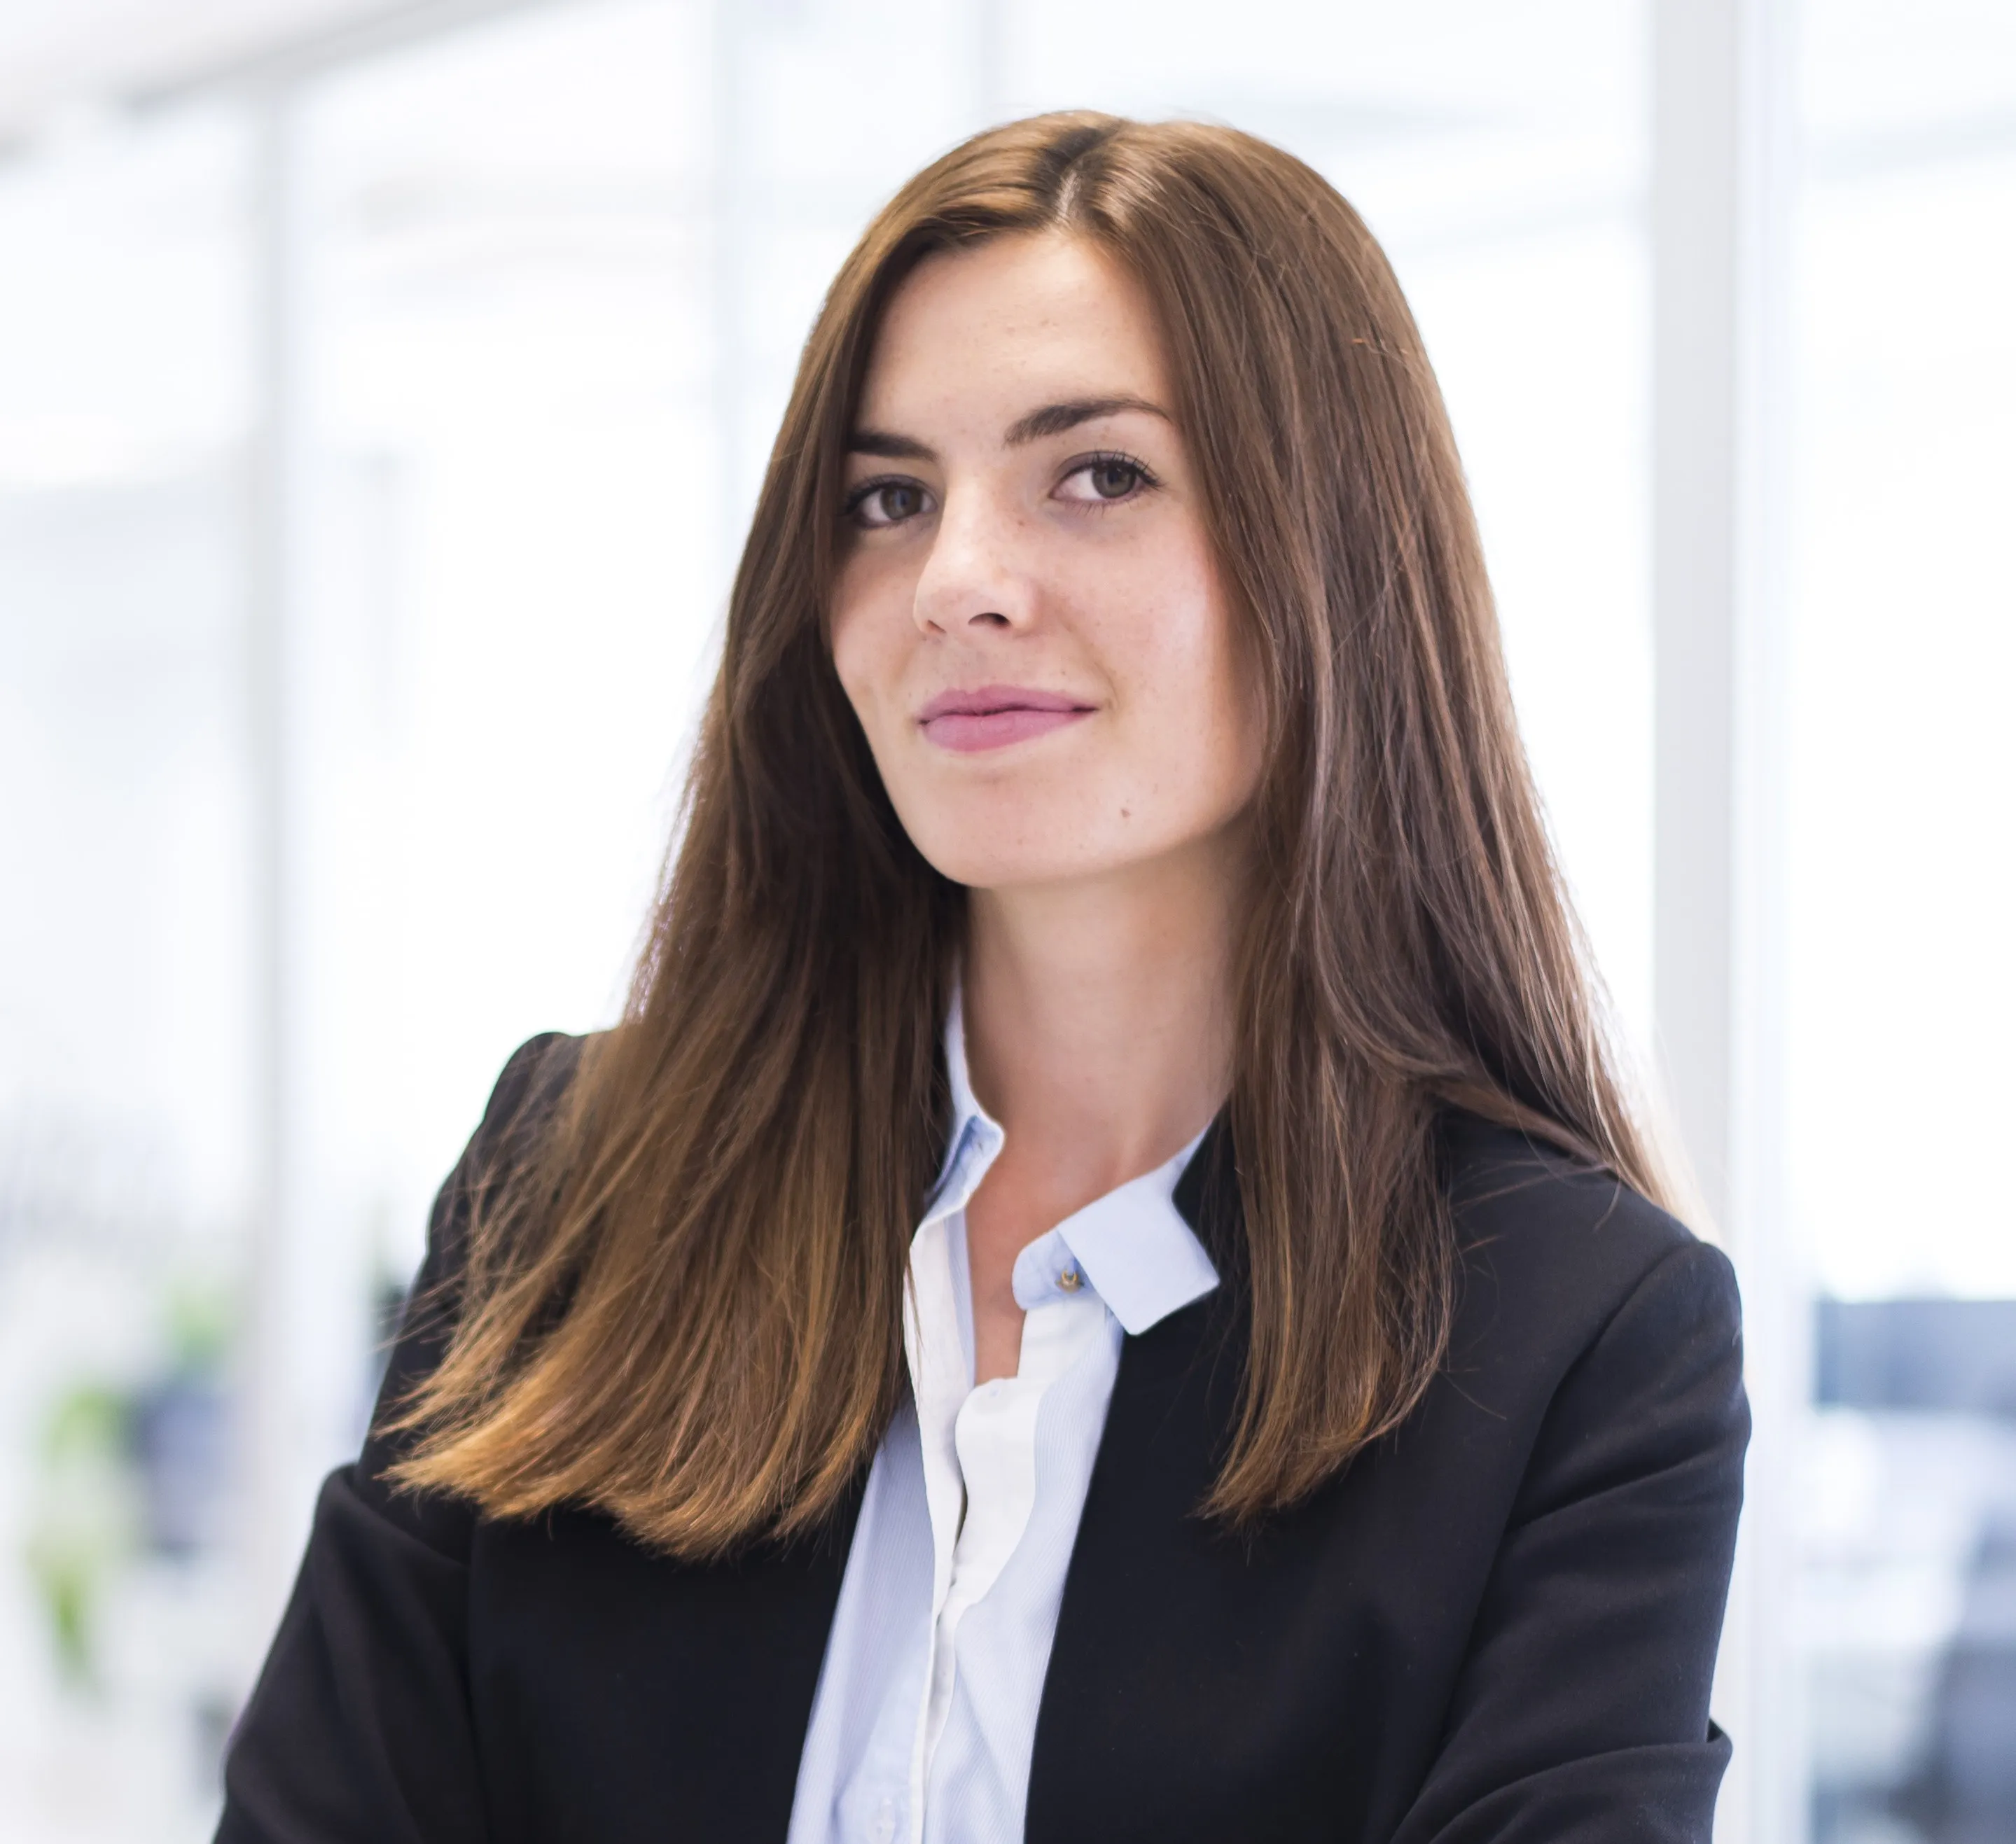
604, 1676
1118, 1645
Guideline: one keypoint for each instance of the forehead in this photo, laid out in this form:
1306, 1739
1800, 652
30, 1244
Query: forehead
982, 334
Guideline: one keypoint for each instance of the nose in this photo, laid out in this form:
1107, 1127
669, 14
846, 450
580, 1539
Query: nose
976, 577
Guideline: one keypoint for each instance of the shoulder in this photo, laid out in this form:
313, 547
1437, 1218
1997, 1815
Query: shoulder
535, 1078
525, 1099
1557, 1255
524, 1102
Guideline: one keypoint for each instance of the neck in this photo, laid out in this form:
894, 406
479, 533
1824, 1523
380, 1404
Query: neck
1098, 1014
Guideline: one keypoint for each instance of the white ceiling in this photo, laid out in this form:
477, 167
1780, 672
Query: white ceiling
57, 56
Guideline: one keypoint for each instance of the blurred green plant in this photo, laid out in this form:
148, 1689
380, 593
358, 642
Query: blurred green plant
86, 1522
128, 1469
201, 1319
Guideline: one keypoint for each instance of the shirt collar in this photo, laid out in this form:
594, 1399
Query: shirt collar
1143, 1260
1140, 1255
965, 1108
976, 1134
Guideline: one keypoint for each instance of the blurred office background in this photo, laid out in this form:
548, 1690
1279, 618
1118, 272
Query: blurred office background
382, 389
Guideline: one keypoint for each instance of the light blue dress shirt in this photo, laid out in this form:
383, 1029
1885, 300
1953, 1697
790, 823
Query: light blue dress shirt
926, 1711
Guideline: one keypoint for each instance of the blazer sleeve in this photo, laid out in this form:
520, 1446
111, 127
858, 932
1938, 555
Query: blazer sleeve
359, 1729
1581, 1711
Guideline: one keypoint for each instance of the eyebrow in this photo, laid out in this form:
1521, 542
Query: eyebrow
1052, 419
889, 446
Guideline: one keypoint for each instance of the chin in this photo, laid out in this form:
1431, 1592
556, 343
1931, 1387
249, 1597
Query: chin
982, 867
1027, 852
982, 860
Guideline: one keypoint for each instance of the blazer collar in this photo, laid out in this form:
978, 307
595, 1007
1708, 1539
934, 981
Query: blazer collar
1206, 1198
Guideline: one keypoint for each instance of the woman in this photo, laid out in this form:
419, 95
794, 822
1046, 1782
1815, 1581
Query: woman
1106, 1285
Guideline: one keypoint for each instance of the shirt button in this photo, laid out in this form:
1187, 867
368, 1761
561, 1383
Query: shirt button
883, 1829
1070, 1280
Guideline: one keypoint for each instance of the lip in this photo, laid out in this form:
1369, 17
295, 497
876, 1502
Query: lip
992, 716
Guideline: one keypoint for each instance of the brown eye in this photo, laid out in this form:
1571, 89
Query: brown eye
1104, 480
1114, 480
886, 502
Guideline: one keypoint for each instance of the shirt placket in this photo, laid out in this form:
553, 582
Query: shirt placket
941, 1378
993, 1449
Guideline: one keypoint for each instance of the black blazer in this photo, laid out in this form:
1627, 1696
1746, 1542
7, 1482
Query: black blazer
1499, 1623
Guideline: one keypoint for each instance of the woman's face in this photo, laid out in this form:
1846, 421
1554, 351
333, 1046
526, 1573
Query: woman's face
1028, 618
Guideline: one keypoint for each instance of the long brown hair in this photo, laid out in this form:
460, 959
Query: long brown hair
689, 1314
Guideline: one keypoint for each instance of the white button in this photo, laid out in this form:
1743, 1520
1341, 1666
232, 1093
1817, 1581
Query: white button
884, 1830
1070, 1280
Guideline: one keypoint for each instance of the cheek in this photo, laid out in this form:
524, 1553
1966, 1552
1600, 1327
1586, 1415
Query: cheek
1223, 726
1236, 700
866, 644
1184, 655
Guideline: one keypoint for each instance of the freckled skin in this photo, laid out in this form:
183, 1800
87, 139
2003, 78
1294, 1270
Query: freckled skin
1014, 572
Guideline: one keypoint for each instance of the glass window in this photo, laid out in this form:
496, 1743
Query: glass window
126, 1162
1902, 998
509, 354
